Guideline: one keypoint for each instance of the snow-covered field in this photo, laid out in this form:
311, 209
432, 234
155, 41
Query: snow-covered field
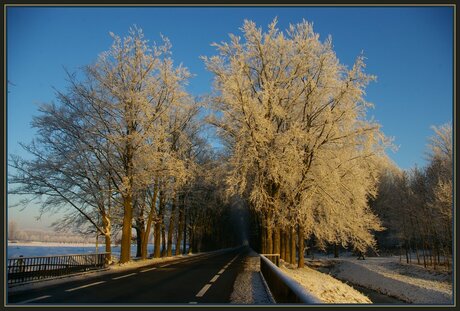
323, 286
332, 280
410, 283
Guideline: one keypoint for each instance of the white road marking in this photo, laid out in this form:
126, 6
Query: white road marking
165, 265
34, 299
207, 286
124, 276
214, 278
84, 286
147, 270
193, 302
203, 290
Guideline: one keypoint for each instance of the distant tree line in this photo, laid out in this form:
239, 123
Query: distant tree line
416, 206
16, 234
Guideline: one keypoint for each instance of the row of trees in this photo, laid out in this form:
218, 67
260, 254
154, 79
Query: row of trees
123, 151
302, 152
416, 205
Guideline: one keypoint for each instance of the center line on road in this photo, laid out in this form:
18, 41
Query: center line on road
124, 276
84, 286
165, 265
34, 299
147, 270
203, 290
214, 278
221, 271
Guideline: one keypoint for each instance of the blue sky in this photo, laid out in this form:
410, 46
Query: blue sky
409, 49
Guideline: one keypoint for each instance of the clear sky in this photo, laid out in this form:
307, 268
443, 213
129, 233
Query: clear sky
409, 49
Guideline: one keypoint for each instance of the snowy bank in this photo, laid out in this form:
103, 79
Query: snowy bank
388, 276
284, 288
323, 286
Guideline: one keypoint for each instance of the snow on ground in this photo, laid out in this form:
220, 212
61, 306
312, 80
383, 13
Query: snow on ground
410, 283
323, 286
249, 287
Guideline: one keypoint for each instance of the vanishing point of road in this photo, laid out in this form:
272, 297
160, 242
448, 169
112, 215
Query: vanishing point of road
206, 278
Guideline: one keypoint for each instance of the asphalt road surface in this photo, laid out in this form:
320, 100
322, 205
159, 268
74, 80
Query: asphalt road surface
202, 279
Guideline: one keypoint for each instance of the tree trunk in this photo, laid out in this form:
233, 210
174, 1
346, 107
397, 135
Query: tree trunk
417, 252
172, 220
180, 228
263, 238
125, 253
269, 240
157, 239
108, 238
185, 234
139, 236
407, 252
163, 237
301, 235
336, 250
108, 249
287, 243
161, 228
292, 245
152, 213
424, 253
282, 245
192, 237
276, 241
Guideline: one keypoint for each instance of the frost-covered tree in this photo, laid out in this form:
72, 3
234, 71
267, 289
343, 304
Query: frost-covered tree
294, 120
136, 86
416, 205
440, 170
66, 171
108, 141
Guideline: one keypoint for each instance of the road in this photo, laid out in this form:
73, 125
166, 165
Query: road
205, 278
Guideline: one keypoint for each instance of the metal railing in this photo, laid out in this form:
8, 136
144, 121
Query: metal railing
275, 258
283, 288
26, 269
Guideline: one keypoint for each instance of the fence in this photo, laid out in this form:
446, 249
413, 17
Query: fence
282, 287
25, 269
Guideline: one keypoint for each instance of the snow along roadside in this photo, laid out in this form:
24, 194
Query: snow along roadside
249, 286
323, 286
372, 275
